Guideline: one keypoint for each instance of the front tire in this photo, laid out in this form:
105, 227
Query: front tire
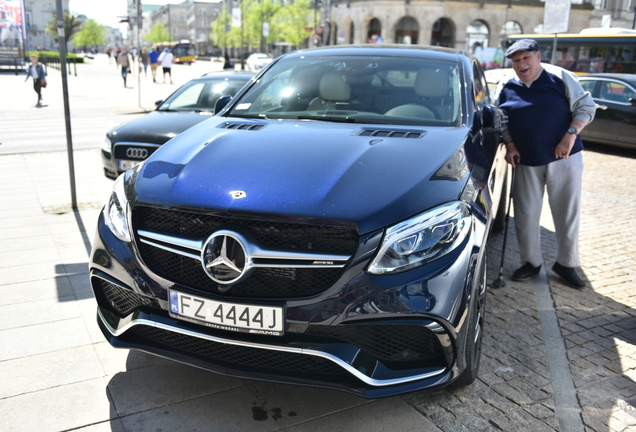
474, 337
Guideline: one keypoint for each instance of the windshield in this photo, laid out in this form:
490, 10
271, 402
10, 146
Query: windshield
364, 89
201, 95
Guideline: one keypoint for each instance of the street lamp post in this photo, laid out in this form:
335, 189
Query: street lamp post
170, 24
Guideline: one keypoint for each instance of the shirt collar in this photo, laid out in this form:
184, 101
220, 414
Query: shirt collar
529, 83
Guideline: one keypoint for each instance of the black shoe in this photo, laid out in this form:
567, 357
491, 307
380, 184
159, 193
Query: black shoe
568, 275
525, 272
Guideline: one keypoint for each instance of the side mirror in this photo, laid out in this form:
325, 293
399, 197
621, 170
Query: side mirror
221, 103
158, 102
631, 102
493, 119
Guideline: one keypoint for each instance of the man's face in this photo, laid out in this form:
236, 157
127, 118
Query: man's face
527, 64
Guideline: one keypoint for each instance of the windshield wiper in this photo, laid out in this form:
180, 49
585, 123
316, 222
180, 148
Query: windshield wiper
340, 119
250, 116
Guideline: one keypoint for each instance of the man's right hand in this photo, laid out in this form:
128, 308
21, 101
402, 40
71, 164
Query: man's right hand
512, 154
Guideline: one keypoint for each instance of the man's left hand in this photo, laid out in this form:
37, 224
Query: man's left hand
563, 149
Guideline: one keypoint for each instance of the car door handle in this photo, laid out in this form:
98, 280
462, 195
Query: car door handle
603, 107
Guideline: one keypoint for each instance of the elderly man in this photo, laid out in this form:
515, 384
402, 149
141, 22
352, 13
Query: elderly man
547, 108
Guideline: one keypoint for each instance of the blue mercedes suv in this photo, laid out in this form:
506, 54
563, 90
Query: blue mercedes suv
327, 227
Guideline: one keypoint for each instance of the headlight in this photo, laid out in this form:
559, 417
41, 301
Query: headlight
107, 145
422, 239
116, 211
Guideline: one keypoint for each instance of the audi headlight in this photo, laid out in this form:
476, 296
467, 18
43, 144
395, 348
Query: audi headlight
116, 211
422, 239
107, 145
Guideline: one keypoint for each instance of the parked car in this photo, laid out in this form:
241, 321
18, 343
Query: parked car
257, 61
130, 143
493, 76
328, 227
615, 97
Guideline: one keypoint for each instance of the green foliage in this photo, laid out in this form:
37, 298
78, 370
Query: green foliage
91, 34
285, 24
72, 25
53, 57
292, 21
158, 34
218, 33
263, 12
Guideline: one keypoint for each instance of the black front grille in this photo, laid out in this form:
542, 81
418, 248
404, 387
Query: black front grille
270, 282
264, 282
234, 356
269, 234
120, 300
397, 346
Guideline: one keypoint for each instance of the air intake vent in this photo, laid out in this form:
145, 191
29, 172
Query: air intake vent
390, 133
242, 126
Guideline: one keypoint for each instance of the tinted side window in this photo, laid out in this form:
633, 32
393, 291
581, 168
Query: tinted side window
616, 92
588, 85
481, 94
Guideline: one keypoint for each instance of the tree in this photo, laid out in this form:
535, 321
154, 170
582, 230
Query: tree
219, 34
285, 23
158, 34
71, 26
91, 34
262, 12
291, 21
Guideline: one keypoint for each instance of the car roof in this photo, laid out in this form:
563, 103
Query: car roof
629, 78
385, 50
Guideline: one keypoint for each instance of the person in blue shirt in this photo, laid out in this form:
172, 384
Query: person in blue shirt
153, 58
547, 108
36, 71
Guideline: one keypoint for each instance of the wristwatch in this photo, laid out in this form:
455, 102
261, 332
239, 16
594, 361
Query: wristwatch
573, 131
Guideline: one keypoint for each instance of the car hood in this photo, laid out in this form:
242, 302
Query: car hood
157, 127
304, 169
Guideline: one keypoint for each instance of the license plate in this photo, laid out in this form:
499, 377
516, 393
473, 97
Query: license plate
227, 316
125, 165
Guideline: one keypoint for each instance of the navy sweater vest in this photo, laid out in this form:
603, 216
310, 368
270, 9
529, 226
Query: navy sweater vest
538, 117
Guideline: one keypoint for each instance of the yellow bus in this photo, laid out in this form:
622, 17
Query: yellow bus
184, 51
589, 51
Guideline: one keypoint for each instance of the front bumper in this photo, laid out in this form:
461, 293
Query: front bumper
369, 335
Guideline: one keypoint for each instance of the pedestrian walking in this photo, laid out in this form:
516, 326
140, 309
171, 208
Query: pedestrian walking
166, 59
144, 60
547, 108
153, 58
36, 71
124, 61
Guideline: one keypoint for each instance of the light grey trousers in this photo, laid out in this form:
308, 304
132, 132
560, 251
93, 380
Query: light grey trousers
563, 180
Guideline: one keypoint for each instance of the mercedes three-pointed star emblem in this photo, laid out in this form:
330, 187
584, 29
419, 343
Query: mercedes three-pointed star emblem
224, 257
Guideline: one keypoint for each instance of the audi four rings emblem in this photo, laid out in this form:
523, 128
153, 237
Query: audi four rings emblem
224, 258
136, 153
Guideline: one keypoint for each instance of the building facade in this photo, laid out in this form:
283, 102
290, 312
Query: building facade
463, 24
174, 17
37, 16
199, 19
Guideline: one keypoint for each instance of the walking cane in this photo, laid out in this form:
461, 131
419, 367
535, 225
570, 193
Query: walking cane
499, 282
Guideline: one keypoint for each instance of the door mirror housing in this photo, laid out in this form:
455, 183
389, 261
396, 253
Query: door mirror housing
221, 103
494, 120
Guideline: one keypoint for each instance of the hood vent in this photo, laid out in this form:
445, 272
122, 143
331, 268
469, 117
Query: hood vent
390, 133
241, 126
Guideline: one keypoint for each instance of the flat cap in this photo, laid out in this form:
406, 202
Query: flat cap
522, 45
